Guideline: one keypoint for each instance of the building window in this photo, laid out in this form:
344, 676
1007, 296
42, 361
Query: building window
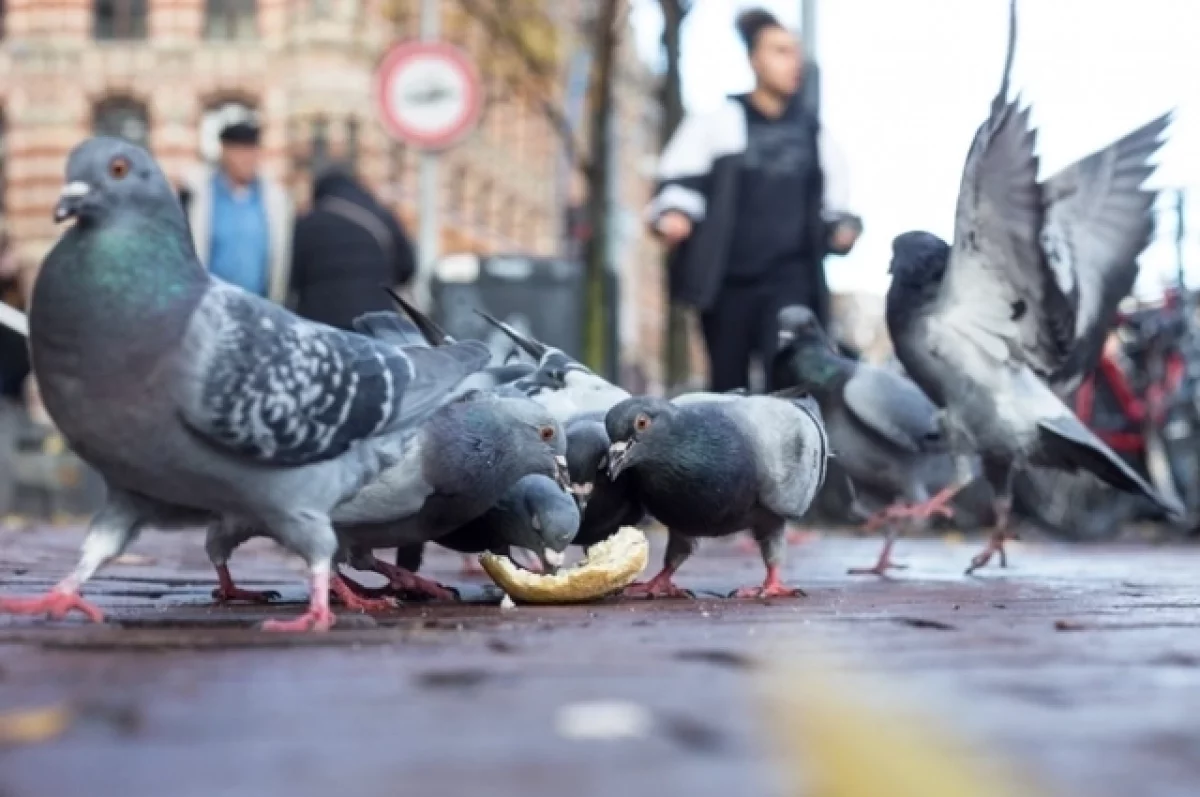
119, 19
231, 20
123, 118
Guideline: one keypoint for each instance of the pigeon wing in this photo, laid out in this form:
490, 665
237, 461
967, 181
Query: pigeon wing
892, 407
998, 291
1098, 221
272, 387
790, 445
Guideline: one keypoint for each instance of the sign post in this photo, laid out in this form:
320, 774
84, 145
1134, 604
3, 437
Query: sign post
428, 95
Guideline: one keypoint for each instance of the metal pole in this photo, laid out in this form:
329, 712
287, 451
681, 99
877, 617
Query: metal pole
808, 28
1180, 242
430, 226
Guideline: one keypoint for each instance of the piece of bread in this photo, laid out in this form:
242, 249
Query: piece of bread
608, 567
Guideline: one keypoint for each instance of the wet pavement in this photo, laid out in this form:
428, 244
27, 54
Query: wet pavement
1079, 666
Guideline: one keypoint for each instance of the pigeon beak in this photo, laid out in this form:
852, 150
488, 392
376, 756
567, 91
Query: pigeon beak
562, 473
70, 200
786, 336
582, 493
552, 560
618, 458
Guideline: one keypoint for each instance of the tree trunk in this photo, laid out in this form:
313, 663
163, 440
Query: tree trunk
677, 352
597, 332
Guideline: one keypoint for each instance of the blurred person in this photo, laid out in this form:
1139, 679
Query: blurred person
14, 369
750, 199
241, 221
344, 250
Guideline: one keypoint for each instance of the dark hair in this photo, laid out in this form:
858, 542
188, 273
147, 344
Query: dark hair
752, 22
240, 133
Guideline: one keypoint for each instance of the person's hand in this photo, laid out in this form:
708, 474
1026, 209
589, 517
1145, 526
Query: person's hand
674, 227
845, 235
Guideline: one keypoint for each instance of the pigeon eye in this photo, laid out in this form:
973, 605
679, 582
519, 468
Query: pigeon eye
641, 423
547, 433
118, 168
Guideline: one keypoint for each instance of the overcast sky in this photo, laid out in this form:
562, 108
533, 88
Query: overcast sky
906, 83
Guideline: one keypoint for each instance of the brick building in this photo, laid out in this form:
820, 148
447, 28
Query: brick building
156, 70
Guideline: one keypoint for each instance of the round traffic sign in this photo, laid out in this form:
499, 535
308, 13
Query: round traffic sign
427, 94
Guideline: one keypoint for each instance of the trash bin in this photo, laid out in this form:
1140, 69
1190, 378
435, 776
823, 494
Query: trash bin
540, 296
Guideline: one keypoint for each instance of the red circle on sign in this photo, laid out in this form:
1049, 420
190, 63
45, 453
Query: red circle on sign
391, 65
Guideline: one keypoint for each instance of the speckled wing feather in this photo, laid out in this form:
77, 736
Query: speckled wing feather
272, 387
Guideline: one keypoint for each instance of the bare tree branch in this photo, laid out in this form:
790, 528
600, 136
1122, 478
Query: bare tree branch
501, 22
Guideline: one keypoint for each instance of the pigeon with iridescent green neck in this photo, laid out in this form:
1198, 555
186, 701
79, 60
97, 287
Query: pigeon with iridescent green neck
196, 400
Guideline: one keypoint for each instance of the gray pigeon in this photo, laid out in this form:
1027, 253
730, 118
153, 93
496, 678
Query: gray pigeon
535, 514
497, 530
606, 503
193, 398
711, 469
441, 475
1025, 294
880, 424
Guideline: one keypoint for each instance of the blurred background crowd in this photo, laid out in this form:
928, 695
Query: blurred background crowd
548, 214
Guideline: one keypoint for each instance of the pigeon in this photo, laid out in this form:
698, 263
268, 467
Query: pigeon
196, 400
441, 475
606, 504
419, 329
535, 514
711, 469
561, 383
1022, 299
881, 426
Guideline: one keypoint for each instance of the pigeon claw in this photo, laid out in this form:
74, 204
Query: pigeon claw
882, 565
55, 604
410, 585
772, 587
232, 594
316, 619
995, 547
228, 592
661, 586
355, 599
769, 591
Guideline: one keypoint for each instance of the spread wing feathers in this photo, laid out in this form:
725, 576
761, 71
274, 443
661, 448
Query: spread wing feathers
270, 386
389, 327
998, 291
1098, 221
790, 445
893, 407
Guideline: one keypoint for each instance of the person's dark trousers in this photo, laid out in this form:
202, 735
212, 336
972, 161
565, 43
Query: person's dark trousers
742, 324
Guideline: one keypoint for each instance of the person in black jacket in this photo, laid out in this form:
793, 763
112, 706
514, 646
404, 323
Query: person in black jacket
345, 249
751, 200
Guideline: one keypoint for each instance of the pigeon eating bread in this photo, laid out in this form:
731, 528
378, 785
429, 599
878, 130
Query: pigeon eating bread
609, 566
